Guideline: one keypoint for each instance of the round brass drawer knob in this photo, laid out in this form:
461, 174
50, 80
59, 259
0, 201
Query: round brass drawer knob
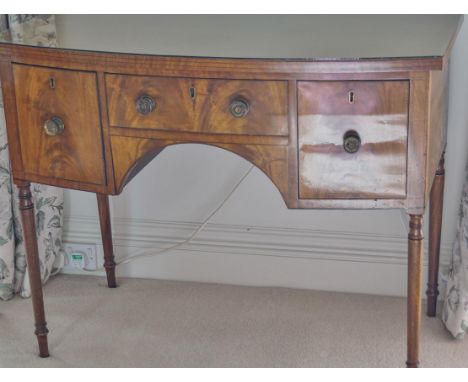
239, 108
145, 104
351, 141
54, 126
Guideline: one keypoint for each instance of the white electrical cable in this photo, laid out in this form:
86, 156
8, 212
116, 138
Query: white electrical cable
151, 252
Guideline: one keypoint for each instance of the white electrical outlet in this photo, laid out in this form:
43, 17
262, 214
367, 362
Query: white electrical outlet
80, 256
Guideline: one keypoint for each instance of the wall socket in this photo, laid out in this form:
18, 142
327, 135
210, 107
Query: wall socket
80, 256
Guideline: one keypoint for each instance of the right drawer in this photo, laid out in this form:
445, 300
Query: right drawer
352, 138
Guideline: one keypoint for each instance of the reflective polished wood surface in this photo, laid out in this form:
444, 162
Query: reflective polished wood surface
329, 133
375, 113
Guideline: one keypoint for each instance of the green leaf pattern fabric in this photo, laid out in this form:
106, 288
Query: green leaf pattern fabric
455, 309
48, 201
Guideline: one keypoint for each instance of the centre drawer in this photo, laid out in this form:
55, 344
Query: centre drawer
198, 105
352, 139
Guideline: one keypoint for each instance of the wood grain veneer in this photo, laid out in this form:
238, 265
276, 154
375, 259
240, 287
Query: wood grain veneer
76, 154
298, 117
376, 112
198, 105
271, 87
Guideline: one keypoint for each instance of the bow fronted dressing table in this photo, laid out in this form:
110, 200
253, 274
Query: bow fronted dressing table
365, 131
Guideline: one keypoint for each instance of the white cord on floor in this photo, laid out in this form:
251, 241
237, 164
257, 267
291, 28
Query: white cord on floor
151, 252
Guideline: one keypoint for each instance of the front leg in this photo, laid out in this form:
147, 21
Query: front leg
26, 207
106, 233
415, 257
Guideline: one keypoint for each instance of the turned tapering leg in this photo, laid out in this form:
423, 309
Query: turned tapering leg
435, 228
415, 258
26, 207
106, 233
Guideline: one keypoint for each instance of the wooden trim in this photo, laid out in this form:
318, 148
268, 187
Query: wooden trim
11, 118
107, 151
167, 65
417, 143
350, 203
189, 137
293, 167
56, 182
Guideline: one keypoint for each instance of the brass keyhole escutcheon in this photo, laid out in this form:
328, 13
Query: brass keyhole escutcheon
192, 92
351, 141
351, 97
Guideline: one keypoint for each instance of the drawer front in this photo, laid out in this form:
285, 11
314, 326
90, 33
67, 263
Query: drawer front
72, 151
352, 139
198, 105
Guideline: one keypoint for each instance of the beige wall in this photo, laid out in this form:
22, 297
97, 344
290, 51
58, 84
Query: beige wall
254, 239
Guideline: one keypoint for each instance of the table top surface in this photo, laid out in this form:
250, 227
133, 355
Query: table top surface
291, 37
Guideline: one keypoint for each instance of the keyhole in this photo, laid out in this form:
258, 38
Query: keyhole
192, 92
52, 82
351, 97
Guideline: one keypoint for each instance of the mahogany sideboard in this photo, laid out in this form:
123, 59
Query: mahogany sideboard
352, 133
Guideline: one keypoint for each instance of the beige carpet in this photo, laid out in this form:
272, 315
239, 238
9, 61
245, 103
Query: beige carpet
149, 323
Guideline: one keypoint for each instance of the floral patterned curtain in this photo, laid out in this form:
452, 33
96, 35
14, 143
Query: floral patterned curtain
455, 310
30, 30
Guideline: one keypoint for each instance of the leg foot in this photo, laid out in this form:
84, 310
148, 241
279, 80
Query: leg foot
415, 257
106, 233
435, 228
26, 207
41, 334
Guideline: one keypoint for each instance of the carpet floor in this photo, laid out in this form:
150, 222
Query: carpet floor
151, 323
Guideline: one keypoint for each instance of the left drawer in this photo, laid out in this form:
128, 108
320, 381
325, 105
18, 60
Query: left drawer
59, 123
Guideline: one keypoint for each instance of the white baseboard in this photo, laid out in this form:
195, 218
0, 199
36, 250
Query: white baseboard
290, 257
